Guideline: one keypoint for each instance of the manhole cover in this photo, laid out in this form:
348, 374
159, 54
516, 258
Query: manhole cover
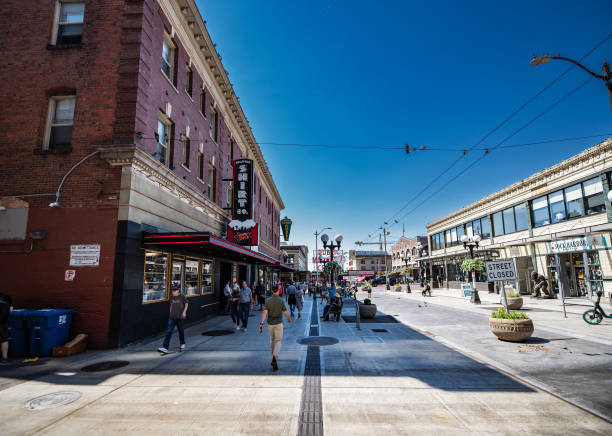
52, 400
380, 330
318, 340
105, 366
218, 332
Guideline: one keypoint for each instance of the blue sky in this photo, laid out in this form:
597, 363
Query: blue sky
393, 72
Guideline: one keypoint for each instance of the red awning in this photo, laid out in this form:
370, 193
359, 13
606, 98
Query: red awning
204, 244
360, 278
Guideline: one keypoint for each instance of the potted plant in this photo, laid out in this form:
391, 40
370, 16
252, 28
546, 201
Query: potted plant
397, 287
471, 266
367, 309
515, 301
510, 326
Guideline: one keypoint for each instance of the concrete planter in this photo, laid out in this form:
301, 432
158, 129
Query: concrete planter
397, 288
513, 330
367, 310
514, 303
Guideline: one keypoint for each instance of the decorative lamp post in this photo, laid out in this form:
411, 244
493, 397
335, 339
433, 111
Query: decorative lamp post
317, 257
406, 259
420, 248
605, 69
331, 246
471, 243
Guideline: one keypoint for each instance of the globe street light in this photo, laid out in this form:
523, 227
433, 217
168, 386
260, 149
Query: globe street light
471, 243
606, 76
332, 247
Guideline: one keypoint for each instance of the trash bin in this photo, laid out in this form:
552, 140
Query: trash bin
48, 328
19, 344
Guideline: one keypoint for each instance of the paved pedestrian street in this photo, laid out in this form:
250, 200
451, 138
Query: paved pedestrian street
385, 378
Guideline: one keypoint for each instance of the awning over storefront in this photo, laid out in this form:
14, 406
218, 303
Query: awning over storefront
206, 245
280, 266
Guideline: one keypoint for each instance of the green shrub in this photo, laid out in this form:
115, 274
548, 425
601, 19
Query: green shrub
513, 294
367, 301
502, 314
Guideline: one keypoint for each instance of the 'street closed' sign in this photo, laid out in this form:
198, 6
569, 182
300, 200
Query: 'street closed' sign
500, 270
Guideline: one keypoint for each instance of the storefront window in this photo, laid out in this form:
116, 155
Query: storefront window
595, 274
498, 224
459, 234
207, 277
573, 201
155, 277
540, 212
520, 214
469, 230
482, 227
509, 225
191, 277
556, 206
593, 195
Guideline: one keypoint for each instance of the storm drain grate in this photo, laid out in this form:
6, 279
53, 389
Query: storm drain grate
317, 341
50, 401
105, 366
380, 330
218, 333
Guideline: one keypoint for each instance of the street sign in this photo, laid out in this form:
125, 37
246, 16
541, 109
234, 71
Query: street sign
500, 270
467, 290
85, 255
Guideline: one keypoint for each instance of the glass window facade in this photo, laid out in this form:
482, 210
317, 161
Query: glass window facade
155, 277
593, 196
498, 224
540, 212
520, 217
509, 224
556, 206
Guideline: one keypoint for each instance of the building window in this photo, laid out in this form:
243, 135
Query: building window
485, 228
60, 122
228, 196
459, 234
556, 206
189, 81
593, 196
69, 23
212, 183
168, 54
186, 152
540, 212
498, 224
163, 141
213, 124
207, 277
230, 153
200, 166
573, 201
191, 277
520, 215
155, 277
509, 224
203, 101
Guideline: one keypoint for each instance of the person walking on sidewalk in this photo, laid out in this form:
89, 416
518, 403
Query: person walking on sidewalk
299, 298
246, 304
291, 298
274, 309
227, 293
261, 294
6, 307
178, 313
235, 306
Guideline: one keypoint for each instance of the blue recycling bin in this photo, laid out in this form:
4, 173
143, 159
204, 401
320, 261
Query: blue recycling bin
19, 340
48, 328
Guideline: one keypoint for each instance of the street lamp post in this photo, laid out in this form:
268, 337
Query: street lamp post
316, 234
471, 243
605, 69
406, 259
386, 269
332, 247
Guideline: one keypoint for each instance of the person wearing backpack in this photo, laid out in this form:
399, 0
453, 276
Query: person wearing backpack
6, 307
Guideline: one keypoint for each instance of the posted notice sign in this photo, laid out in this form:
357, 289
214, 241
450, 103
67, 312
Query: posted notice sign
85, 255
500, 270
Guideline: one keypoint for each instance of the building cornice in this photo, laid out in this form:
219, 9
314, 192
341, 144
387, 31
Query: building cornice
141, 162
600, 154
200, 38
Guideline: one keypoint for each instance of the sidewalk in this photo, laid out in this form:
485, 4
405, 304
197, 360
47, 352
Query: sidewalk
544, 312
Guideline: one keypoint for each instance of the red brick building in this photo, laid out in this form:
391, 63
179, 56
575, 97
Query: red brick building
124, 109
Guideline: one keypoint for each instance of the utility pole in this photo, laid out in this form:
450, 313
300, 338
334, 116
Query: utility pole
384, 229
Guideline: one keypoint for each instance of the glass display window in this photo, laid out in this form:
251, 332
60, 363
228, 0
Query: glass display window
191, 277
207, 277
155, 284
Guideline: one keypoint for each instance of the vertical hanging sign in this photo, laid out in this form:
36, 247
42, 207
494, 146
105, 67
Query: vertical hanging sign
242, 228
286, 227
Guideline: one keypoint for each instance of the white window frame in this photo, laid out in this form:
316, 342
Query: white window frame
185, 156
211, 182
166, 122
56, 18
172, 48
51, 114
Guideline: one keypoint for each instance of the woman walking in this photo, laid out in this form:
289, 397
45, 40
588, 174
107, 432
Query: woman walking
299, 299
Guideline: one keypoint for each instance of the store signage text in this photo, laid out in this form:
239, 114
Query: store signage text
568, 245
242, 229
85, 255
500, 270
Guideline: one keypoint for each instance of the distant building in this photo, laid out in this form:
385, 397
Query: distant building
406, 254
297, 259
377, 261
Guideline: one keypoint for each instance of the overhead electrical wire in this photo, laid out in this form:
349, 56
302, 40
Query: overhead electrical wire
512, 115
